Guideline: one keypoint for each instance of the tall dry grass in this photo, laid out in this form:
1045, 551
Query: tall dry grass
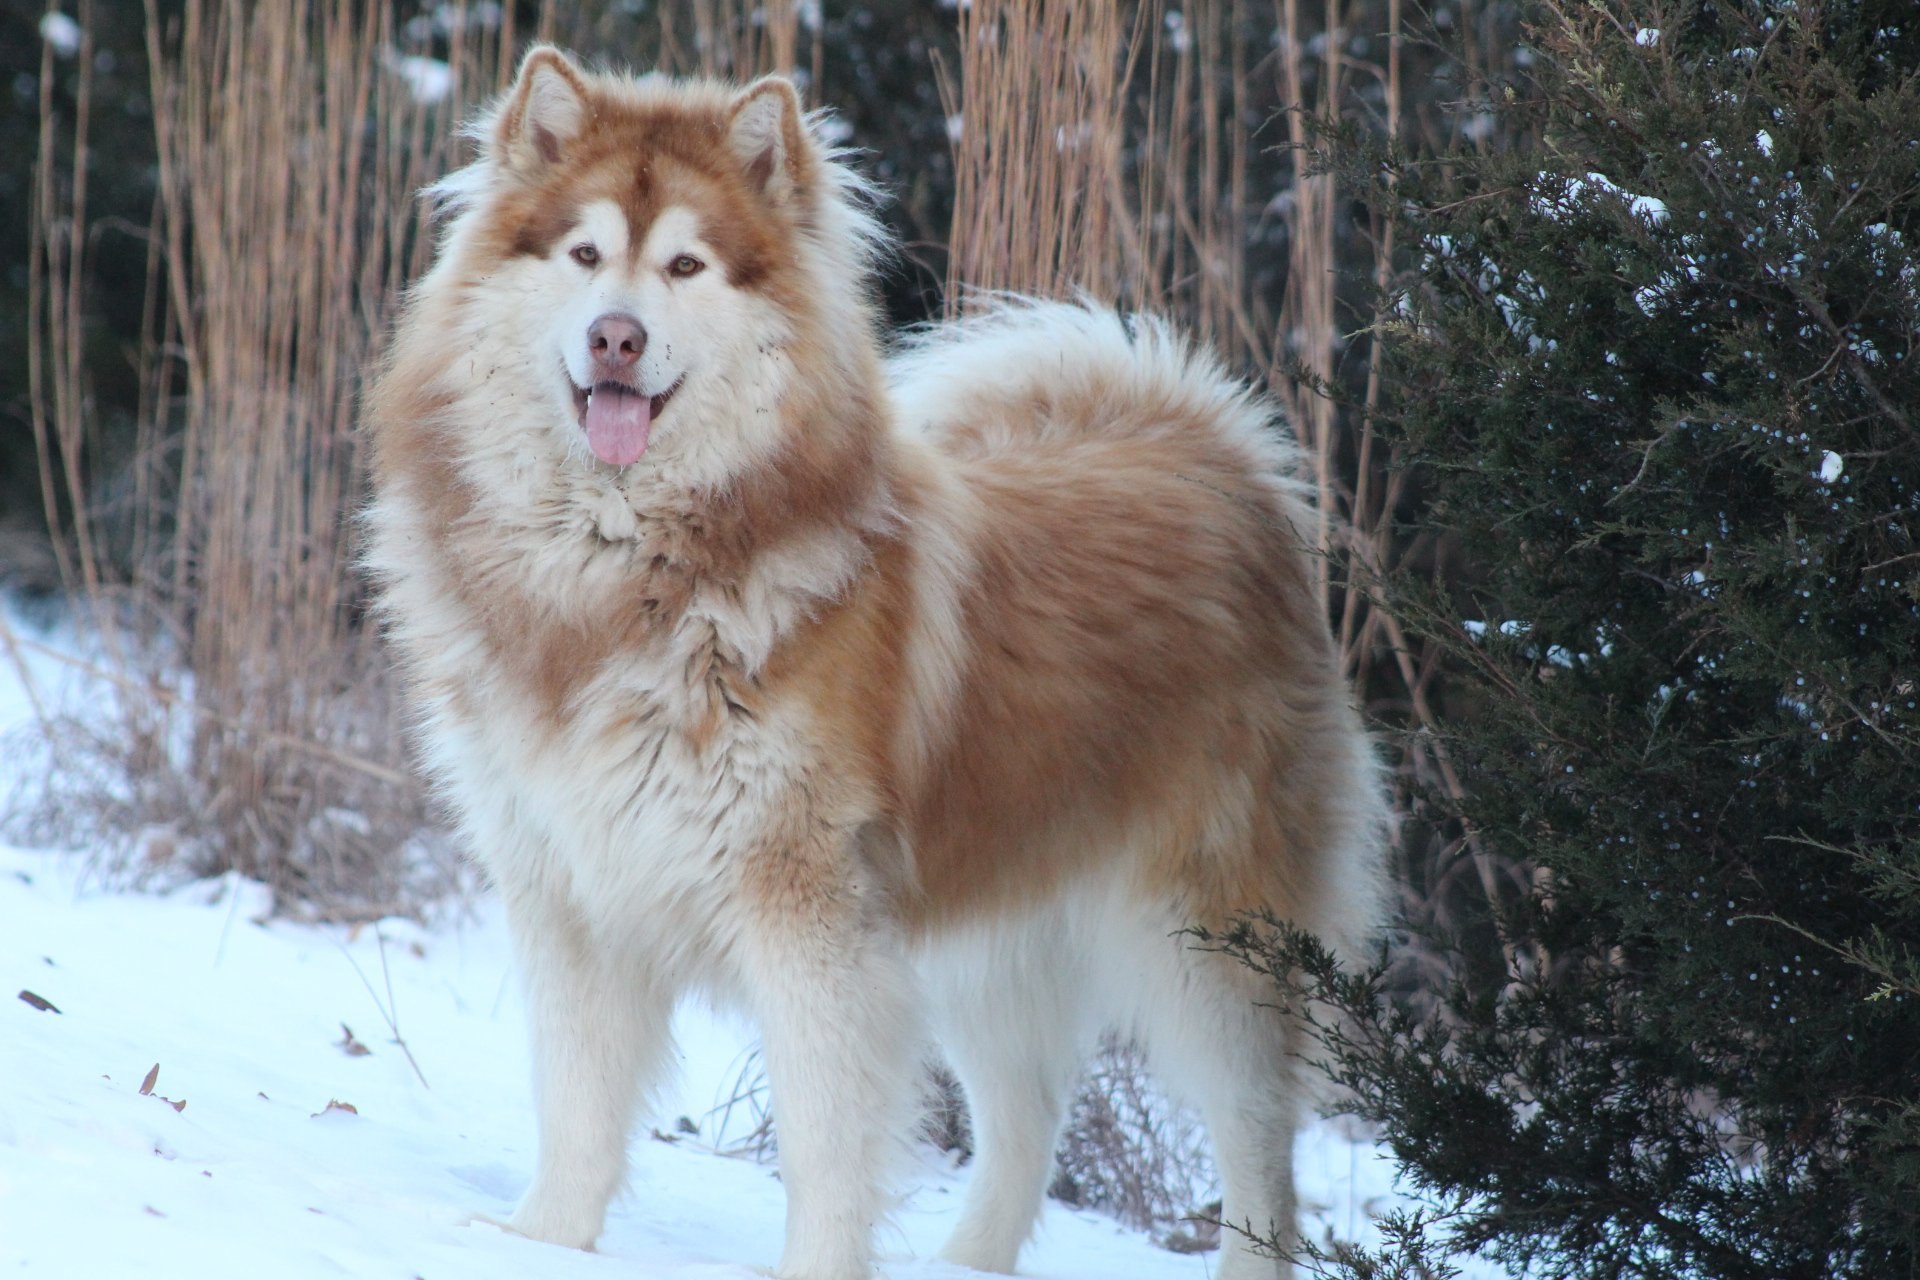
735, 40
248, 725
1038, 105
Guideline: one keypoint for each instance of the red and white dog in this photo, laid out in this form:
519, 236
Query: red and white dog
878, 697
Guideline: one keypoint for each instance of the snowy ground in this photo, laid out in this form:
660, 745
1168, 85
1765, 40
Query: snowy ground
241, 1157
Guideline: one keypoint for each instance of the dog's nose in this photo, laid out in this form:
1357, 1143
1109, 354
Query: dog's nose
615, 341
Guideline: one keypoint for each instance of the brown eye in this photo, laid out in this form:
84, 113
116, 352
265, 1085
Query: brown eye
685, 265
585, 254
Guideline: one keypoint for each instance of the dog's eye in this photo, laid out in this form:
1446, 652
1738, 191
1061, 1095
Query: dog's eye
585, 254
685, 265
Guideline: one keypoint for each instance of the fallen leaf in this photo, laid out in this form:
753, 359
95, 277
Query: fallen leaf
353, 1048
146, 1089
334, 1104
41, 1003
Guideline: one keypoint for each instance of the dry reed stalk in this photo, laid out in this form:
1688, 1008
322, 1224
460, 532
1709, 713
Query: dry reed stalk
737, 40
1190, 187
56, 302
1358, 486
251, 718
272, 117
1364, 625
1099, 150
1040, 105
1308, 315
1372, 514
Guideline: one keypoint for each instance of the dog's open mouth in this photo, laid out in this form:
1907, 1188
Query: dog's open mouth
618, 419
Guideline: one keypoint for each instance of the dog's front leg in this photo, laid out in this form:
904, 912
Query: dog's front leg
840, 1032
601, 1034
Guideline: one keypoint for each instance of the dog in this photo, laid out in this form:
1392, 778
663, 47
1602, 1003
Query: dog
882, 695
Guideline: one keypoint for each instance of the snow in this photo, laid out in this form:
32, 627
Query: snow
429, 80
1647, 37
1178, 36
1510, 627
62, 32
1831, 465
246, 1018
1650, 209
453, 20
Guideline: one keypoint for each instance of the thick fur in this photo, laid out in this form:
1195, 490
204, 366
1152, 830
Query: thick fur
875, 698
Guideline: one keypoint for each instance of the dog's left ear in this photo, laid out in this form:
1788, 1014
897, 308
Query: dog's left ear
769, 138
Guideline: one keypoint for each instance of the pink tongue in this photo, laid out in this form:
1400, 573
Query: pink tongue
618, 423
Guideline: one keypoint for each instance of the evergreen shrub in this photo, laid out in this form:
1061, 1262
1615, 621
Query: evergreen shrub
1661, 372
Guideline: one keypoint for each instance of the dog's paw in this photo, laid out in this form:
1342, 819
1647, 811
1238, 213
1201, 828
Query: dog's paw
550, 1223
527, 1231
975, 1255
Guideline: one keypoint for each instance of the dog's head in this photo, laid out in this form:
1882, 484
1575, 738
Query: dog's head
648, 254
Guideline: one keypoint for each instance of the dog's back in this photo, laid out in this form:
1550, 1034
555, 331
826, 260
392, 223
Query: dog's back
1147, 676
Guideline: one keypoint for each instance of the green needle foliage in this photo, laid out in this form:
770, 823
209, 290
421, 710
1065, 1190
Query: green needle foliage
1661, 372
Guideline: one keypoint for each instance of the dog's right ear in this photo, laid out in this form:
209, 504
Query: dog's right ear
546, 110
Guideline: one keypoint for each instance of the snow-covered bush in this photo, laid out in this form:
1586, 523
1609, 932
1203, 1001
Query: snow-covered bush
1661, 373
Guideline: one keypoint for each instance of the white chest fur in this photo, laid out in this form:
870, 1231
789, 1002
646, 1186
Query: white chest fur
633, 800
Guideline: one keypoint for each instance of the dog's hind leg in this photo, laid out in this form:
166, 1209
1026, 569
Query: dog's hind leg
1212, 1040
1016, 1031
601, 1035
